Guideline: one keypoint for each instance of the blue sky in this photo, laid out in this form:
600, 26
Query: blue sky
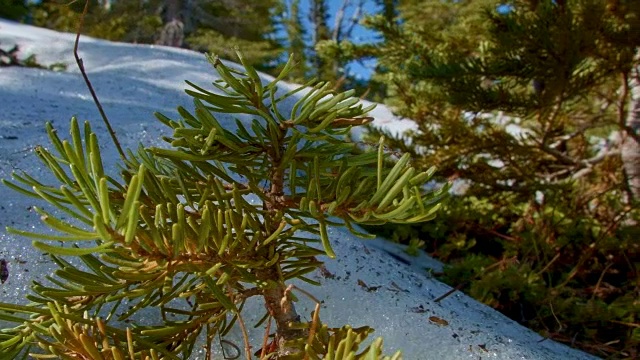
359, 35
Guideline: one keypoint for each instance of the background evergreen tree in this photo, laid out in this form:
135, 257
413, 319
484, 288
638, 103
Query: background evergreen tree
529, 104
266, 31
218, 26
13, 10
295, 41
221, 26
319, 19
136, 21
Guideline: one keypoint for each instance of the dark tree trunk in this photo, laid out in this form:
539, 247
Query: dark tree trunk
630, 149
172, 10
318, 17
172, 33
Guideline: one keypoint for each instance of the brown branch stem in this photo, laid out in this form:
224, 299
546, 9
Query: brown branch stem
277, 300
281, 308
243, 327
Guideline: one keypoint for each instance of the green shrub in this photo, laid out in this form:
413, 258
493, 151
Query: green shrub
566, 270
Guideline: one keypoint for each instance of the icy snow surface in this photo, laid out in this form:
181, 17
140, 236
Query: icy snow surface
368, 287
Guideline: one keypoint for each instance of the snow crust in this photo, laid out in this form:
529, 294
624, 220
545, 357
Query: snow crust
372, 282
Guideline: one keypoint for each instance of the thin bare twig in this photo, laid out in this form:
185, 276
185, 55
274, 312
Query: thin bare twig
625, 323
265, 339
86, 80
209, 337
560, 326
462, 285
445, 295
337, 26
312, 329
243, 327
600, 279
548, 265
338, 33
248, 293
355, 18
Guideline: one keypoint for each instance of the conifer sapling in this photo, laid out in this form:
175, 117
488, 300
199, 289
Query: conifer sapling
195, 229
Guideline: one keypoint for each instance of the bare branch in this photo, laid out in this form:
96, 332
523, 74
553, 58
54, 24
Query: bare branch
355, 18
86, 80
243, 327
499, 263
337, 25
248, 293
338, 34
566, 160
583, 167
265, 339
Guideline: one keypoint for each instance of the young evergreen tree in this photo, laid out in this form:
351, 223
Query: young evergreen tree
196, 229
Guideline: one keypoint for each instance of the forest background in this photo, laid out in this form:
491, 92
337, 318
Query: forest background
531, 106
